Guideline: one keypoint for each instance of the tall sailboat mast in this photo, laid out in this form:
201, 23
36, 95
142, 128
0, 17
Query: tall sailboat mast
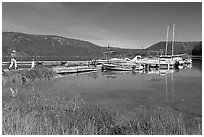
173, 40
167, 39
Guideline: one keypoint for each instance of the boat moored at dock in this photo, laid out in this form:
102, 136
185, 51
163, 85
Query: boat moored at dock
114, 67
166, 62
77, 69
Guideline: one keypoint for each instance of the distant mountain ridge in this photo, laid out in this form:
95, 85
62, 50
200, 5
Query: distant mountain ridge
178, 48
47, 45
50, 45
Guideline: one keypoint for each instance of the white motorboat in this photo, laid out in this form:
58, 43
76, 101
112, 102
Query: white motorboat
110, 66
179, 59
188, 61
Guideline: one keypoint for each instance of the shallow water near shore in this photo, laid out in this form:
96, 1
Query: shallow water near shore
181, 89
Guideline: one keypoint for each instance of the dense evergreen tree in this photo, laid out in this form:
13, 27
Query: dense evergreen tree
197, 50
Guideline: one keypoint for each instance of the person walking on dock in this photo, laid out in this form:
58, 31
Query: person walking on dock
33, 64
13, 60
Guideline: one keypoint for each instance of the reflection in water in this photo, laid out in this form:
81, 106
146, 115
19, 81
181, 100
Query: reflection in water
113, 74
160, 71
130, 89
172, 85
110, 74
169, 95
197, 64
93, 75
166, 84
13, 92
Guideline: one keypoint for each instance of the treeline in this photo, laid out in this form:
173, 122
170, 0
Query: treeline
30, 45
197, 50
179, 47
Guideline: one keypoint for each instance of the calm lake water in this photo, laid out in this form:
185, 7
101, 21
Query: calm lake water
181, 89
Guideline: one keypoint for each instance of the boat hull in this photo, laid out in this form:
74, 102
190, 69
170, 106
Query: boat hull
79, 69
165, 66
119, 69
115, 67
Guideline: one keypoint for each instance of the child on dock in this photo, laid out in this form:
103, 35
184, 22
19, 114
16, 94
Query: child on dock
13, 60
33, 64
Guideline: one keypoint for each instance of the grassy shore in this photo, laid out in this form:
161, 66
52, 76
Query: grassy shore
22, 76
34, 114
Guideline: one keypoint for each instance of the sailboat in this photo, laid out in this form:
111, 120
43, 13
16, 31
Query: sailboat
167, 61
178, 58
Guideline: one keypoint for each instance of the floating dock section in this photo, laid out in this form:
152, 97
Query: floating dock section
77, 69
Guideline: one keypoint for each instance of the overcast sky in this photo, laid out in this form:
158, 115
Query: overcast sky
125, 25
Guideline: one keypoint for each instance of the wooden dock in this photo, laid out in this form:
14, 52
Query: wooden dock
21, 69
49, 63
77, 69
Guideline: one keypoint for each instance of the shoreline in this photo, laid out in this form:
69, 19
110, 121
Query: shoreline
75, 114
72, 115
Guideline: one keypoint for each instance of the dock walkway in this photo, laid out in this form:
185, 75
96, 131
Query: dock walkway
77, 69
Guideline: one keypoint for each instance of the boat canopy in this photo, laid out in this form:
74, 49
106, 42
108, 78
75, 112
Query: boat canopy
165, 57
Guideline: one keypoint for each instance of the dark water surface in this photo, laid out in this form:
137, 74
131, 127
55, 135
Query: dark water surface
181, 90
